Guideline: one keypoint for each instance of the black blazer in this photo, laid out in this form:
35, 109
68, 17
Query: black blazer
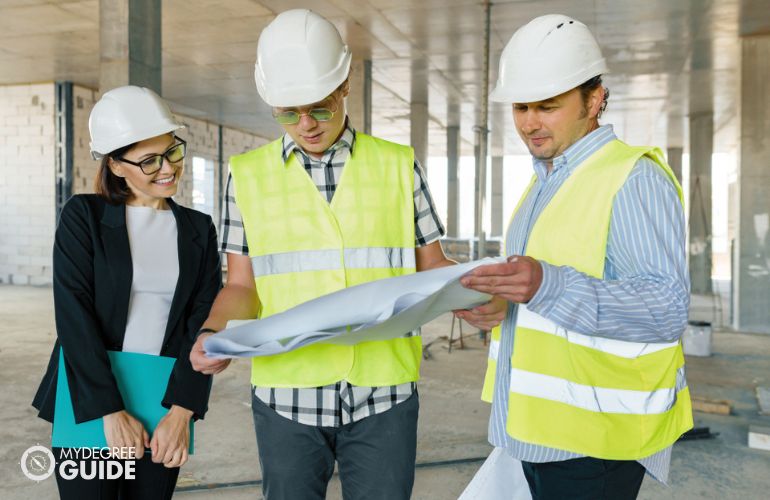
92, 274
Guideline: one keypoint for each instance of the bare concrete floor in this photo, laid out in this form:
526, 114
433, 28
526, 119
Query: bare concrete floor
453, 421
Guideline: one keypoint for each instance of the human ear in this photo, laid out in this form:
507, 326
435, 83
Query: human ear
116, 168
346, 87
595, 101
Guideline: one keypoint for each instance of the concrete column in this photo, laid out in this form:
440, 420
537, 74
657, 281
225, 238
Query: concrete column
418, 111
701, 147
751, 272
130, 44
359, 102
497, 196
496, 151
453, 188
674, 158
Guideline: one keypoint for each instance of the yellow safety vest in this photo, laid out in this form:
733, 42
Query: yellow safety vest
488, 389
303, 247
595, 396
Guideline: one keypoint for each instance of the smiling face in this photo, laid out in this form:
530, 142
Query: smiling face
149, 190
549, 127
313, 136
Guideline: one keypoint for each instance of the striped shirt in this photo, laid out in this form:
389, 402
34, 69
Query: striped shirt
340, 403
644, 296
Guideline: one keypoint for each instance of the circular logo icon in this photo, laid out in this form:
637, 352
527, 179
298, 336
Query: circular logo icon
37, 463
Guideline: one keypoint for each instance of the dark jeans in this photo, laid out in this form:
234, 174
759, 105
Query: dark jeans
375, 456
584, 478
151, 482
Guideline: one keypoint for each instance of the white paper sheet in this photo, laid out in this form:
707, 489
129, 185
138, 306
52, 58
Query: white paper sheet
499, 478
377, 310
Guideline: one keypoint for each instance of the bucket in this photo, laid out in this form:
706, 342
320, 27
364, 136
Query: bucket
696, 340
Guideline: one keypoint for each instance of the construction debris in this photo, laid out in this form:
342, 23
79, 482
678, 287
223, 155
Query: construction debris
698, 433
715, 406
763, 399
759, 437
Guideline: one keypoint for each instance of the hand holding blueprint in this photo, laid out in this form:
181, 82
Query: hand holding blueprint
379, 310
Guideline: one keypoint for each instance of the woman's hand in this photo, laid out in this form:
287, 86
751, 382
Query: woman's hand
124, 431
171, 438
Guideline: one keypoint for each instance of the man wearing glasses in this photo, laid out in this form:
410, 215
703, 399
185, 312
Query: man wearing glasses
366, 215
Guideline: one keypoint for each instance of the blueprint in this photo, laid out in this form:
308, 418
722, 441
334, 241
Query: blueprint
499, 478
378, 310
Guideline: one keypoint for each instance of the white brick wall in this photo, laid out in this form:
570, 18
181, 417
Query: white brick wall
27, 183
202, 141
202, 138
27, 172
236, 142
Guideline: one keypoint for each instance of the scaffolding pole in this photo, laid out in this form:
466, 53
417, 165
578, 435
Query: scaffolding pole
482, 140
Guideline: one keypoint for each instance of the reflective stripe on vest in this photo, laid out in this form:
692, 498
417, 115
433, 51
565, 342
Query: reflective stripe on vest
597, 399
494, 349
533, 321
327, 260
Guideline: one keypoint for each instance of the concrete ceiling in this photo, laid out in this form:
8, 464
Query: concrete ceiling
668, 58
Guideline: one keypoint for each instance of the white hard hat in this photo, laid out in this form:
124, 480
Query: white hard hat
301, 59
546, 57
126, 115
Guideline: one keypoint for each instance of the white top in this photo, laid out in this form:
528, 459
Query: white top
152, 235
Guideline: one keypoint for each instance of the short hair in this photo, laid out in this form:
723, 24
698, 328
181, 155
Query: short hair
589, 86
108, 185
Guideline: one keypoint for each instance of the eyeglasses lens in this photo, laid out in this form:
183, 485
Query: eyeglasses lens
154, 163
292, 117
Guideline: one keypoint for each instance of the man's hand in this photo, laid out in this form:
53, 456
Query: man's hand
202, 363
486, 316
517, 280
171, 439
124, 431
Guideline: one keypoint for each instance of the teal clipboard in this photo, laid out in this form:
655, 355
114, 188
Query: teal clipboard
142, 381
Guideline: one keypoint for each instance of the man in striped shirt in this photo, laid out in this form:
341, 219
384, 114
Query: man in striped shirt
623, 306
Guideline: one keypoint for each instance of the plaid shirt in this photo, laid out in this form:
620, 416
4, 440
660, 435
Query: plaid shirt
340, 403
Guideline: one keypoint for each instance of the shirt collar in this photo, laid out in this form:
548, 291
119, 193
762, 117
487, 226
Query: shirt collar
346, 141
576, 153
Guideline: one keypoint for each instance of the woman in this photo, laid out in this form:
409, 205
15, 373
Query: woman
133, 272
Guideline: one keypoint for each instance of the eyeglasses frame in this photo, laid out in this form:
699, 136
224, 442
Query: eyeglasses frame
300, 115
164, 155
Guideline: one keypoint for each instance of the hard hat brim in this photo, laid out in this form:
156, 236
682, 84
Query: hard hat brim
525, 93
302, 94
107, 147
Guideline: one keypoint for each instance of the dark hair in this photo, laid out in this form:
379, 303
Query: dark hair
108, 185
589, 86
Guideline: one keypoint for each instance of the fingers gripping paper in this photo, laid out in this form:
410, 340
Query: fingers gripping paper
379, 310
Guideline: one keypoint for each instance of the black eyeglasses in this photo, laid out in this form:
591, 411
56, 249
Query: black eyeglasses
154, 163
